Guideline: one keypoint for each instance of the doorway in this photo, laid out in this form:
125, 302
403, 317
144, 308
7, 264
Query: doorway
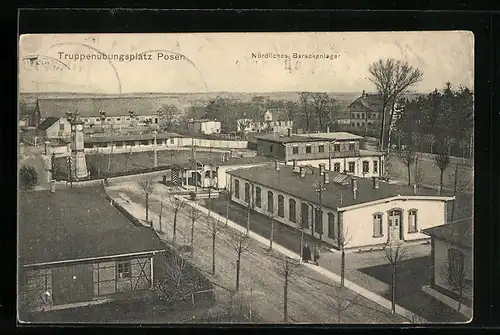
395, 225
72, 283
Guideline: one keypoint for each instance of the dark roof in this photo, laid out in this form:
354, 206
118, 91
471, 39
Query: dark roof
90, 107
274, 137
131, 137
372, 102
336, 195
48, 122
459, 232
76, 223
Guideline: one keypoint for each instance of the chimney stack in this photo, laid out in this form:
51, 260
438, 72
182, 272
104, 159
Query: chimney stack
302, 171
326, 178
327, 129
363, 94
376, 183
277, 165
354, 187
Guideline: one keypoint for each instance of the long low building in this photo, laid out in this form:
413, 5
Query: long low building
365, 212
75, 246
134, 140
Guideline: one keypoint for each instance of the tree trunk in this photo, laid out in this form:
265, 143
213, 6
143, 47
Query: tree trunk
455, 181
192, 236
393, 293
460, 300
409, 173
227, 212
382, 127
248, 218
147, 207
213, 254
399, 143
430, 148
285, 299
301, 244
175, 226
238, 271
441, 181
416, 176
342, 268
339, 312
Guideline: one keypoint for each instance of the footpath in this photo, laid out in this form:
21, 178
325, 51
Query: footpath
134, 209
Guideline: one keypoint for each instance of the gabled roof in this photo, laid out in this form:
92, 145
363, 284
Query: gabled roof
459, 232
74, 224
372, 102
336, 195
338, 135
90, 107
48, 122
274, 137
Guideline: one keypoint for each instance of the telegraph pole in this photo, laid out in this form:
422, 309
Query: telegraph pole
161, 212
319, 216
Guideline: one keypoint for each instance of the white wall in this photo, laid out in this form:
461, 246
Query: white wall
187, 141
441, 259
344, 164
224, 178
359, 222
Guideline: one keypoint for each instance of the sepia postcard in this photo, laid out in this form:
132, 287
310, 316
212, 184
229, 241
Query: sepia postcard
257, 178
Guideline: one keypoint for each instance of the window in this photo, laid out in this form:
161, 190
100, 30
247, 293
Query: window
366, 167
332, 228
304, 214
109, 119
270, 202
456, 265
375, 167
171, 141
258, 197
321, 148
271, 147
352, 146
377, 225
247, 192
362, 115
123, 269
237, 189
336, 147
336, 167
207, 174
137, 119
281, 206
127, 119
318, 222
118, 119
412, 221
61, 126
86, 120
352, 165
308, 148
292, 210
295, 149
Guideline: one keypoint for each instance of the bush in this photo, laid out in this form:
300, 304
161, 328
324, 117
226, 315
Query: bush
192, 196
28, 177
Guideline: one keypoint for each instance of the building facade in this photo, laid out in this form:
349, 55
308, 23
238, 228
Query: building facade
340, 152
55, 127
367, 212
366, 111
452, 258
207, 127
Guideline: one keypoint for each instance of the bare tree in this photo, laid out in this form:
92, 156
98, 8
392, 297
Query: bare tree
286, 268
394, 253
419, 171
194, 215
306, 112
240, 243
177, 205
147, 186
457, 279
321, 104
213, 227
449, 142
342, 300
442, 159
302, 225
430, 139
229, 195
399, 135
407, 156
391, 78
344, 238
464, 145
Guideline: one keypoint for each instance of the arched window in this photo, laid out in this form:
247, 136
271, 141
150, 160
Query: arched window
412, 221
270, 202
236, 188
304, 214
258, 197
292, 210
377, 225
207, 174
336, 167
247, 192
281, 206
318, 221
332, 227
366, 167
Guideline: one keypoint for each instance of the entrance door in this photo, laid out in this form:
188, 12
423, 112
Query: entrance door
395, 225
73, 283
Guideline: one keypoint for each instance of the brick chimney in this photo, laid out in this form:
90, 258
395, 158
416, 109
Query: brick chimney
354, 183
376, 182
277, 165
326, 178
302, 171
363, 94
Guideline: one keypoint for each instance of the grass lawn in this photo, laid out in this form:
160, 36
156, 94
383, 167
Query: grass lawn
411, 296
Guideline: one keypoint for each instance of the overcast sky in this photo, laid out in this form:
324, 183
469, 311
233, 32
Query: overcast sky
223, 62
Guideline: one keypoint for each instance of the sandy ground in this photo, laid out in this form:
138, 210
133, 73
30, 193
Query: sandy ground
310, 294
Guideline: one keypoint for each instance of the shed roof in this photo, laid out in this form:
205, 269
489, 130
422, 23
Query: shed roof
336, 195
75, 224
459, 232
48, 122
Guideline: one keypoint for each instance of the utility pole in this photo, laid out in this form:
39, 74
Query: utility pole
161, 212
319, 215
